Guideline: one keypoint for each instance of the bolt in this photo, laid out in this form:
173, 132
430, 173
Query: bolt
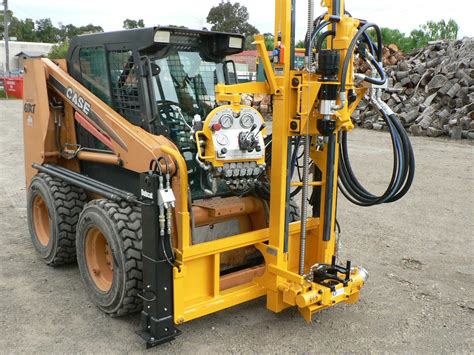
165, 288
295, 82
152, 339
165, 309
293, 125
320, 292
320, 303
166, 329
333, 302
148, 286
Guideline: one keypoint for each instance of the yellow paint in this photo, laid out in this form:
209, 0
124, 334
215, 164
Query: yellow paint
295, 99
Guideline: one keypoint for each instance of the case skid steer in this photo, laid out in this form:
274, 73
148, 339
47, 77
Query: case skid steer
175, 199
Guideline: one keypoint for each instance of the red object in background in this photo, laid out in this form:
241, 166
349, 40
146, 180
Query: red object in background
13, 87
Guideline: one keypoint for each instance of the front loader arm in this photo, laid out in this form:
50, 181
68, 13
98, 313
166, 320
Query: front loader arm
133, 147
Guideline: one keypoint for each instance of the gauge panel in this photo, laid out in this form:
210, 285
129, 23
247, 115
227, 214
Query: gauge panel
222, 139
247, 120
233, 124
226, 121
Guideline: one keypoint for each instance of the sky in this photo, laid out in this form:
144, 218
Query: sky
404, 15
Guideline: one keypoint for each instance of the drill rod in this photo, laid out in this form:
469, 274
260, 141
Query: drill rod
329, 192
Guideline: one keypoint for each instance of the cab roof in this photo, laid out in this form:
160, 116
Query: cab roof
152, 38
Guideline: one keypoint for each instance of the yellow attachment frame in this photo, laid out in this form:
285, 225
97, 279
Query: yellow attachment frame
197, 283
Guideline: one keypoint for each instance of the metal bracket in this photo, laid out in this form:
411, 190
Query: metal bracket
157, 295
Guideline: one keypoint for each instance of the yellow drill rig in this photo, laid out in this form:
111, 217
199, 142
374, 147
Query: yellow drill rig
143, 165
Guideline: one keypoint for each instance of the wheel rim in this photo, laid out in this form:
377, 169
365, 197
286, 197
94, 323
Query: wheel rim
99, 259
41, 221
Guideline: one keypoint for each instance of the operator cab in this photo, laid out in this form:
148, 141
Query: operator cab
160, 79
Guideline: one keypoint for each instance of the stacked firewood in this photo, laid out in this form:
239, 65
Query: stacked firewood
262, 103
432, 90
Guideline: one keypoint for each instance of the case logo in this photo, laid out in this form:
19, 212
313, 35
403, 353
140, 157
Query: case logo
78, 100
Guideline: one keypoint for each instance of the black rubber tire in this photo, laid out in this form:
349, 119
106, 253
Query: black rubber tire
120, 224
64, 203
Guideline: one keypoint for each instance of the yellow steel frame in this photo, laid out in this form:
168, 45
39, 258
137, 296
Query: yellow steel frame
197, 289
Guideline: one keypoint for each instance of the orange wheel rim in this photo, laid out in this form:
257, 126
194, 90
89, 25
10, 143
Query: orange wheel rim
99, 259
41, 221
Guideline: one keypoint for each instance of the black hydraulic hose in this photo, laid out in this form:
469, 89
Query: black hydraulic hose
86, 186
369, 43
402, 174
314, 34
351, 49
377, 81
321, 39
127, 196
294, 162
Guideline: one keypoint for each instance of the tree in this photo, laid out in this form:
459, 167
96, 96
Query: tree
46, 32
232, 17
441, 30
130, 24
25, 30
269, 41
300, 44
418, 38
59, 51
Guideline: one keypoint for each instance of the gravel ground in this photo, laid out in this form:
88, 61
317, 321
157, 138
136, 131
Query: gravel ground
419, 253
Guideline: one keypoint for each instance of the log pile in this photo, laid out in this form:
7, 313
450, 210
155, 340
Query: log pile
432, 90
263, 103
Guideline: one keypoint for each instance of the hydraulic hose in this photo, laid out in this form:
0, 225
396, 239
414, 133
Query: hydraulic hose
321, 39
402, 174
352, 47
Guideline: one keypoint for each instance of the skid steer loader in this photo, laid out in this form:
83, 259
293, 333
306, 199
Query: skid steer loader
174, 198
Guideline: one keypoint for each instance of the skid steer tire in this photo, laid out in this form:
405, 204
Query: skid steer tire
109, 243
53, 208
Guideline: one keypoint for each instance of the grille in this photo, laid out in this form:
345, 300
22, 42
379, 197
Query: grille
124, 84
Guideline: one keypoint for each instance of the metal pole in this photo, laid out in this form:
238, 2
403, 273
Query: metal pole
7, 51
306, 156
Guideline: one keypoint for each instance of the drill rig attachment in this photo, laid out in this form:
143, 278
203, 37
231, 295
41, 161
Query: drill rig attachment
314, 104
220, 167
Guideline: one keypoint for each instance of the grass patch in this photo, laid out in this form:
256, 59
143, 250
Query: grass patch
3, 94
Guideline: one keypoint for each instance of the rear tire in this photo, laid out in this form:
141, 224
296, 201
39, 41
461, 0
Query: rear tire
109, 243
53, 209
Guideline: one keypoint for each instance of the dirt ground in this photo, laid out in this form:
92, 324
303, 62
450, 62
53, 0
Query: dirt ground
419, 253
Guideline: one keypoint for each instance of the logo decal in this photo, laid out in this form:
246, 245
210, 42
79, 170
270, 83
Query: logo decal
147, 194
29, 108
78, 100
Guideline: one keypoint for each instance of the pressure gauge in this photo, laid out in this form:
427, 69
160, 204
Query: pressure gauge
247, 121
226, 121
222, 139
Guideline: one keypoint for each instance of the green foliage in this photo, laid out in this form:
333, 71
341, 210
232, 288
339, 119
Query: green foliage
3, 94
441, 30
232, 17
43, 30
418, 38
300, 44
269, 41
131, 24
59, 51
69, 31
